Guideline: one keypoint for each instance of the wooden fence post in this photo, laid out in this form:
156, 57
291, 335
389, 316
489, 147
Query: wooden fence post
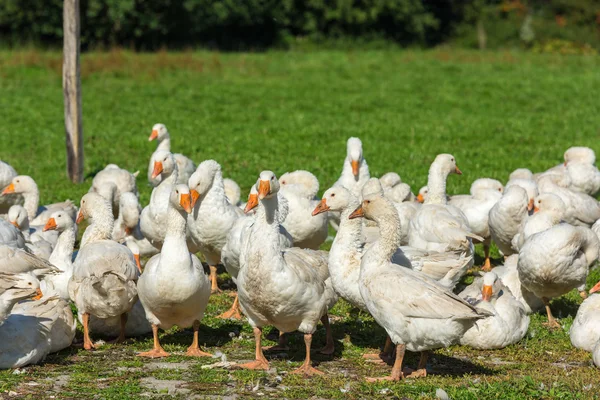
72, 90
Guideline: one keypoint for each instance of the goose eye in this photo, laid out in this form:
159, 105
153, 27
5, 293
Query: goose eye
29, 283
283, 182
17, 181
332, 194
367, 201
452, 159
539, 202
272, 178
177, 191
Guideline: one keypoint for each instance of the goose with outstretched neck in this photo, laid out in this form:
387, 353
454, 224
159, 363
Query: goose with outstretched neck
174, 289
416, 312
288, 288
105, 272
153, 220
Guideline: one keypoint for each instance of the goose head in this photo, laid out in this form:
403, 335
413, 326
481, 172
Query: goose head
399, 193
549, 203
521, 173
20, 184
90, 202
374, 207
129, 209
483, 185
489, 278
164, 163
23, 286
446, 164
202, 179
303, 182
159, 131
181, 198
17, 215
354, 155
334, 199
422, 194
583, 155
267, 185
372, 186
530, 187
59, 221
390, 180
252, 200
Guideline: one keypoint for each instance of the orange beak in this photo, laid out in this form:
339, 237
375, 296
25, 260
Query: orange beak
137, 262
358, 213
38, 295
252, 203
9, 189
486, 292
153, 135
14, 223
50, 225
158, 168
354, 167
595, 288
457, 171
195, 196
530, 205
420, 198
264, 187
535, 209
565, 164
186, 202
321, 208
79, 217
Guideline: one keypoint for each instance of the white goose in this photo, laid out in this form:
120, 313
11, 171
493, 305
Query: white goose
521, 173
10, 235
104, 273
580, 170
355, 173
580, 209
417, 313
37, 243
437, 226
38, 215
554, 261
389, 180
485, 193
153, 220
401, 193
287, 288
7, 173
212, 217
127, 225
548, 210
509, 321
507, 217
14, 288
113, 181
185, 166
237, 240
300, 189
62, 254
585, 331
173, 288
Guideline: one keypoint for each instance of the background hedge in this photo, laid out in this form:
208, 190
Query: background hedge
259, 24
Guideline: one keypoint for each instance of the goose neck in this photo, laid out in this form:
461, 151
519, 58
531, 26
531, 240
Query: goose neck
63, 252
31, 201
164, 143
436, 185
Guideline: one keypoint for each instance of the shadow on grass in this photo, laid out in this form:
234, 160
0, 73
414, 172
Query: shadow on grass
564, 307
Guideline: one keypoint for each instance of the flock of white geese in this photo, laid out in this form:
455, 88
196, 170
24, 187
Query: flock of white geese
396, 256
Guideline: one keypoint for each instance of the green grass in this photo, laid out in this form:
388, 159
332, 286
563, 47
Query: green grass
285, 111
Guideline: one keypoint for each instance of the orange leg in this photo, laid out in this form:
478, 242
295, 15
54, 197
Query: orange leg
487, 265
157, 351
87, 342
194, 349
260, 361
552, 322
329, 345
214, 288
307, 369
233, 312
421, 371
396, 369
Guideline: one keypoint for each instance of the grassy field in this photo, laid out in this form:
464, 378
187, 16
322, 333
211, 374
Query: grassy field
284, 111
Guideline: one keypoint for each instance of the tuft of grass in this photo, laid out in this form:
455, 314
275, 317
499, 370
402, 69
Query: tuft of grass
494, 111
